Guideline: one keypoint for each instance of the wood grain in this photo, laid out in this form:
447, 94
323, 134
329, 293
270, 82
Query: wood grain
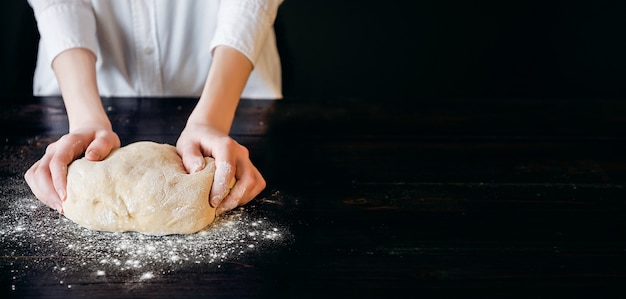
456, 198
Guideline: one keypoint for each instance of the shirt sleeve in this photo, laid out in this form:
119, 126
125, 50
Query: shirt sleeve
244, 25
65, 24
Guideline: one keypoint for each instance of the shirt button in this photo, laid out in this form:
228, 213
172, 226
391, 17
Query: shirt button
148, 50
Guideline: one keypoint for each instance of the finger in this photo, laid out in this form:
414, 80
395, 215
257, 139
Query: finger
192, 157
28, 176
58, 175
60, 161
248, 186
38, 179
222, 181
31, 180
67, 148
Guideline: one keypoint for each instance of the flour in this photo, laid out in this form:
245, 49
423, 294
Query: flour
28, 228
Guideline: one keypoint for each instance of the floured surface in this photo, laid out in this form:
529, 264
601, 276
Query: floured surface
140, 187
39, 246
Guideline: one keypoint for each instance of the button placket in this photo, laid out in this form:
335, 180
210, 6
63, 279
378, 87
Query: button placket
148, 50
148, 65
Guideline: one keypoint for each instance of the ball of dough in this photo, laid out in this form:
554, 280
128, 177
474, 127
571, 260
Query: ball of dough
141, 187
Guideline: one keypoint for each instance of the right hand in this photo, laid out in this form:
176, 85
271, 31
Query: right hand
232, 164
47, 178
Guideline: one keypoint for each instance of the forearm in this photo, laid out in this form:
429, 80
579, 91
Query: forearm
75, 70
226, 80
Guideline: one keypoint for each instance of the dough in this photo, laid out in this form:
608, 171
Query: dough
141, 187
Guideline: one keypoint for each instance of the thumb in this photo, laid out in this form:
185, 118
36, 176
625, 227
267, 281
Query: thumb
101, 147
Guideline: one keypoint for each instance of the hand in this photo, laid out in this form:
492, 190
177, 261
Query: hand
232, 163
47, 178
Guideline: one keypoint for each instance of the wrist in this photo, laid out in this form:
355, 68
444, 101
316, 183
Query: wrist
91, 122
201, 124
214, 113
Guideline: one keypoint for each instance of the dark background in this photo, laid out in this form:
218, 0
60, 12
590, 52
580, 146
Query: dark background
416, 50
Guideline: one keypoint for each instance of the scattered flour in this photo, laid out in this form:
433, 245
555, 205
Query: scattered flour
29, 228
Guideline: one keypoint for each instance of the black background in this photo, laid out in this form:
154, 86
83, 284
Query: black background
417, 50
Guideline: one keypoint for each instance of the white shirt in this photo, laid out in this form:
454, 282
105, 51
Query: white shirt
158, 47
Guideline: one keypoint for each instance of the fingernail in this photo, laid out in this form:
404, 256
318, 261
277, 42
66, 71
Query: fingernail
62, 194
197, 166
58, 207
215, 201
227, 206
93, 155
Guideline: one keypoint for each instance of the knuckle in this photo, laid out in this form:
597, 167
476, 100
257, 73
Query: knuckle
250, 184
57, 166
262, 183
52, 147
33, 172
28, 175
255, 182
68, 139
61, 158
244, 151
229, 143
111, 139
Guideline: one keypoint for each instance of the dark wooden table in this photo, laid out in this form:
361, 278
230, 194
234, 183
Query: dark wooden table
458, 198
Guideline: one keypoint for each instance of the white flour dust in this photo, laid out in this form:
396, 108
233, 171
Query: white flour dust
28, 228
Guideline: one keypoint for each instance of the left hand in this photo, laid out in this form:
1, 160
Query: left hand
232, 163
